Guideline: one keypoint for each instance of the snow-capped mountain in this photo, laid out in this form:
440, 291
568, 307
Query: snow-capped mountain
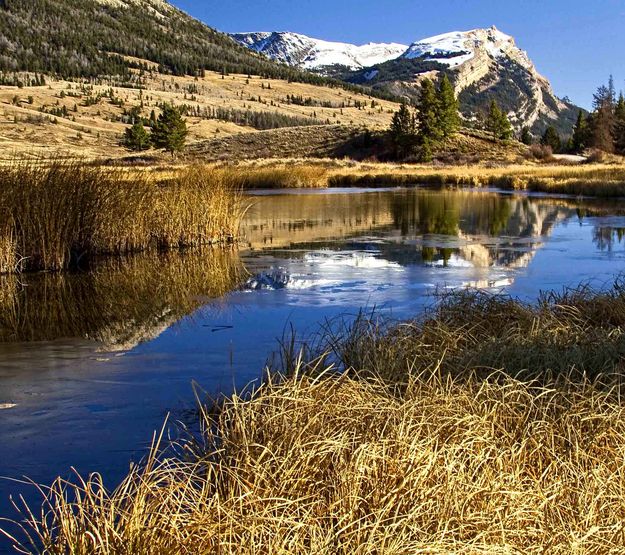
487, 61
482, 63
315, 54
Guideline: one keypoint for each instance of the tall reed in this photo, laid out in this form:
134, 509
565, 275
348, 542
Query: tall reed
200, 205
279, 176
56, 213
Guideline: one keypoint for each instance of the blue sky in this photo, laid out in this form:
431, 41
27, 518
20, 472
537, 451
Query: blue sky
576, 44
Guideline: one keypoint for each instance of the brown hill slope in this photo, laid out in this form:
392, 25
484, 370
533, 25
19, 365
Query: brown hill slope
88, 118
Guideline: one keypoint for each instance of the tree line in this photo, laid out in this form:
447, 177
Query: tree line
602, 129
74, 39
260, 120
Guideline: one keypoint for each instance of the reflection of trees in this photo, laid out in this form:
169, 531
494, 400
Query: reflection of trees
606, 237
120, 303
472, 216
467, 217
450, 213
425, 214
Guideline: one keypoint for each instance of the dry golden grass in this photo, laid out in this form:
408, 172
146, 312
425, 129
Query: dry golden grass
596, 180
578, 333
59, 212
448, 455
341, 465
96, 131
284, 176
587, 180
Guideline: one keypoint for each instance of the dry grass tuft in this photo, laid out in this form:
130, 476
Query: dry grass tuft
58, 212
438, 458
340, 465
576, 333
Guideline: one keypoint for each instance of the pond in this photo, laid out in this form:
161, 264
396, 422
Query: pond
92, 363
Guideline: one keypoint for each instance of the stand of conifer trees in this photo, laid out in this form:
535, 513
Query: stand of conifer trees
604, 127
436, 117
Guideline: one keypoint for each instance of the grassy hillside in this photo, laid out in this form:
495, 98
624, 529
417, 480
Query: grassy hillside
88, 117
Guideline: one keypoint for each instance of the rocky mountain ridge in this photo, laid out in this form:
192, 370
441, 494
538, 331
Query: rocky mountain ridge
482, 64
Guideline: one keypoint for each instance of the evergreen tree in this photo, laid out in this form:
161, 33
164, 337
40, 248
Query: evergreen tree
428, 110
580, 138
552, 139
498, 123
619, 125
526, 136
136, 137
403, 132
436, 118
170, 130
603, 118
448, 106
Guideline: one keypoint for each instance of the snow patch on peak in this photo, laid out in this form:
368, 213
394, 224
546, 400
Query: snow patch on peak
309, 53
458, 47
448, 48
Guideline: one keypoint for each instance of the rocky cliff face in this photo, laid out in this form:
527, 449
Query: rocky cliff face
486, 63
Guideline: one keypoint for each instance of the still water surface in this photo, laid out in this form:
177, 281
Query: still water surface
91, 364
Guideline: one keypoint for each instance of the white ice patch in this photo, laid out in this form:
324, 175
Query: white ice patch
454, 261
488, 283
281, 279
371, 74
361, 260
299, 284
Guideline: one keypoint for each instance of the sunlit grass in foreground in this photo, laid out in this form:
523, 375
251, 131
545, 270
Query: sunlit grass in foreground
487, 426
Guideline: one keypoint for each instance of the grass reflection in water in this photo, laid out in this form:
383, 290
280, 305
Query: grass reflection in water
121, 302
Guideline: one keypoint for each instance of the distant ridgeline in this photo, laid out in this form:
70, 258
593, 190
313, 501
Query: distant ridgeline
99, 38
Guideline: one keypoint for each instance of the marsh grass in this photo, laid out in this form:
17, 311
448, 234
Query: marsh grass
446, 435
607, 181
573, 333
8, 255
278, 176
201, 205
57, 213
